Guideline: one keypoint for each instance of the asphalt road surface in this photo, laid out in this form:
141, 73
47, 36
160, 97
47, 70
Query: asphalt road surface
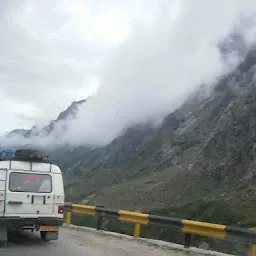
78, 243
30, 244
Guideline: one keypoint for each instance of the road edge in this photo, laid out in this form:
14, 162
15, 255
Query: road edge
149, 242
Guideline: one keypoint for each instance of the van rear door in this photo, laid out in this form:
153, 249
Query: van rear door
58, 195
3, 175
29, 194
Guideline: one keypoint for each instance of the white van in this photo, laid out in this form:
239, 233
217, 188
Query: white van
31, 195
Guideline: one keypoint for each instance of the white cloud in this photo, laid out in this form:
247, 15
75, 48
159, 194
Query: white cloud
152, 74
147, 59
16, 110
110, 27
50, 53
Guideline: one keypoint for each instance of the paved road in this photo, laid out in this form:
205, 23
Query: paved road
73, 243
30, 244
78, 243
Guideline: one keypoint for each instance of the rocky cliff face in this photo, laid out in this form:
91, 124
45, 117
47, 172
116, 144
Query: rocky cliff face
205, 150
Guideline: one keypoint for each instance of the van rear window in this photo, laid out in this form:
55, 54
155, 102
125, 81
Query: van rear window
29, 182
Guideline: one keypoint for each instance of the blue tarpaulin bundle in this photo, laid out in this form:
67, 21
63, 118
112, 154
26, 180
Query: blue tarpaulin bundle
7, 152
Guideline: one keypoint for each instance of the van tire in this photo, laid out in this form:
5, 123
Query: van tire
3, 236
4, 243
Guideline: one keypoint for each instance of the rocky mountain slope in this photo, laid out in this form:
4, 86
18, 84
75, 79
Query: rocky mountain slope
205, 151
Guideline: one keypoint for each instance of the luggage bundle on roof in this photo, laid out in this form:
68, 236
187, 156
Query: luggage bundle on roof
28, 154
21, 154
7, 152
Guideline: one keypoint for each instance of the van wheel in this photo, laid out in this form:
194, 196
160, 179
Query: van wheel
4, 243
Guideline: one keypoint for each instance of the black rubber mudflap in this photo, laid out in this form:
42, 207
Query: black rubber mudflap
50, 235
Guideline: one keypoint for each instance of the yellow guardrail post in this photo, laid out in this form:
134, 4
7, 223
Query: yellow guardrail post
136, 233
253, 250
253, 246
68, 218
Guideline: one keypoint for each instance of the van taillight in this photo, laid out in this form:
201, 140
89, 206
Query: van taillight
61, 209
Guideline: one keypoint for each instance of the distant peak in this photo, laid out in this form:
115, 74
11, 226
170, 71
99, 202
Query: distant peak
69, 113
79, 102
70, 110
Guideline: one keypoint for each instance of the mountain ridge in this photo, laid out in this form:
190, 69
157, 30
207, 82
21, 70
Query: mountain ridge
204, 150
68, 114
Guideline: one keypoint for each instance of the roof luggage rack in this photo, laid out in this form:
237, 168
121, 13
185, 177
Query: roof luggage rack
30, 155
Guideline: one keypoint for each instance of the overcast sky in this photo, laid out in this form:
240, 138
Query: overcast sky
50, 52
141, 59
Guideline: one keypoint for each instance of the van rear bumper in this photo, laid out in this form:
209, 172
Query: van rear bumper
29, 222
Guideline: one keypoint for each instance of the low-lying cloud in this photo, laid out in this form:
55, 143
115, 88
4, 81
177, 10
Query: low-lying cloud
152, 73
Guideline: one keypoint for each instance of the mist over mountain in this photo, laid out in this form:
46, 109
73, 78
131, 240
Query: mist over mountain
202, 151
69, 127
173, 123
173, 128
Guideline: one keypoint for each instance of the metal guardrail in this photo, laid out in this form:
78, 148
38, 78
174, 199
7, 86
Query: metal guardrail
188, 227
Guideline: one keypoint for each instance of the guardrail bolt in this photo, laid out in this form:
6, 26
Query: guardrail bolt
136, 232
99, 219
187, 240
